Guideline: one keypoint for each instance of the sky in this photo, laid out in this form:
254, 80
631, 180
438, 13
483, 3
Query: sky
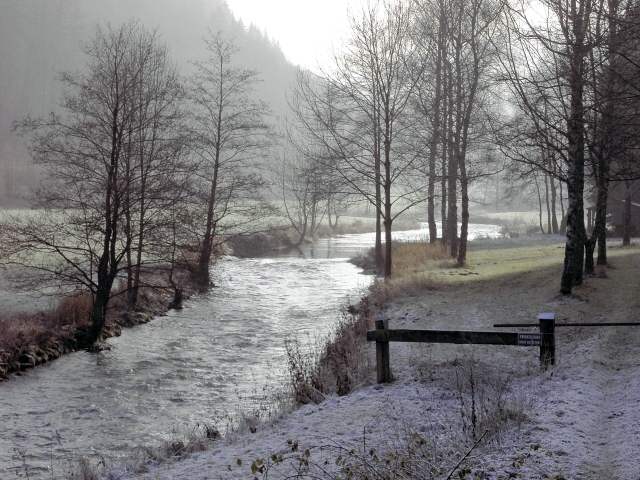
308, 31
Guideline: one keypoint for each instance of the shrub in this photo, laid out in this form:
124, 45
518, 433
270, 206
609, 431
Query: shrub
411, 257
486, 404
334, 364
29, 329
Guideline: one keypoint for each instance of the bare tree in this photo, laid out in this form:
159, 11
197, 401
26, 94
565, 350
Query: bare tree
304, 195
430, 33
454, 98
80, 238
357, 113
230, 133
156, 171
546, 68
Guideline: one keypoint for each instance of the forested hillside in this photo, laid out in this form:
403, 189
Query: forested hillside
39, 39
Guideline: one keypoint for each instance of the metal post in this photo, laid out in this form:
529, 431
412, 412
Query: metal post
383, 363
547, 323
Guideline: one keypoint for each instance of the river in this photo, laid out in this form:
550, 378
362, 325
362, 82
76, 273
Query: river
201, 364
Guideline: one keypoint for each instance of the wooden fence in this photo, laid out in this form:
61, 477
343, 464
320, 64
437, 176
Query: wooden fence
382, 335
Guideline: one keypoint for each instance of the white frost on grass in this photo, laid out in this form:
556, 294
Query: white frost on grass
374, 417
582, 418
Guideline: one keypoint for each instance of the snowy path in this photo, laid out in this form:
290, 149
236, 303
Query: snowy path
587, 414
612, 414
614, 427
596, 406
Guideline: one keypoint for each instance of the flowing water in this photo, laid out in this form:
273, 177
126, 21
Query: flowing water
186, 367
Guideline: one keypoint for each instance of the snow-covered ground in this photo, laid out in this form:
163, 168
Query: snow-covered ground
580, 420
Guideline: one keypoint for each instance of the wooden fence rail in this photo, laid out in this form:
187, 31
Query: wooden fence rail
382, 335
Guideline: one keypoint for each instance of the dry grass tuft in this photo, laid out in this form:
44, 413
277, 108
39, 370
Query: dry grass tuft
179, 445
74, 310
85, 470
383, 291
29, 339
412, 257
24, 330
487, 404
337, 363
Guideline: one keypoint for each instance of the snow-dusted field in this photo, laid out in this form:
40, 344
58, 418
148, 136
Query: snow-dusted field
581, 420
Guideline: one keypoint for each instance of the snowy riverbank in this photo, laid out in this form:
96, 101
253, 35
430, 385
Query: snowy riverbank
580, 420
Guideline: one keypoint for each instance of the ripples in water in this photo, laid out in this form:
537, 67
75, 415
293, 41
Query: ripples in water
182, 368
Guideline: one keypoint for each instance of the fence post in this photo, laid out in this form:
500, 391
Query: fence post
383, 363
547, 339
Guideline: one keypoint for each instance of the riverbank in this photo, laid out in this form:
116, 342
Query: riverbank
481, 412
33, 338
284, 238
211, 362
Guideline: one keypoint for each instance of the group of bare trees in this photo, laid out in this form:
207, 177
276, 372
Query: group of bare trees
428, 92
230, 132
354, 117
403, 111
114, 166
457, 105
569, 70
141, 170
310, 195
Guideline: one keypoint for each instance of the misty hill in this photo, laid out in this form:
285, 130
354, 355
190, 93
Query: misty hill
41, 38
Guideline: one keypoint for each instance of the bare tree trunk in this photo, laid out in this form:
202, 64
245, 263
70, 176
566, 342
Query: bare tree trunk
572, 245
464, 214
574, 249
452, 189
127, 215
144, 173
600, 228
107, 267
443, 176
435, 139
563, 213
378, 176
535, 179
554, 215
452, 206
581, 231
388, 246
202, 275
626, 216
589, 247
388, 220
378, 248
99, 313
431, 190
546, 197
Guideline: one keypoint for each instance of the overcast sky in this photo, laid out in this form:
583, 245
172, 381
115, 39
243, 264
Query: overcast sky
308, 31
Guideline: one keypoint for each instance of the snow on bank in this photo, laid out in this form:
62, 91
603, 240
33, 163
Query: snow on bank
581, 420
373, 417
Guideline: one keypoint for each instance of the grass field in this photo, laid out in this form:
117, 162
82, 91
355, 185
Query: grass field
420, 266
